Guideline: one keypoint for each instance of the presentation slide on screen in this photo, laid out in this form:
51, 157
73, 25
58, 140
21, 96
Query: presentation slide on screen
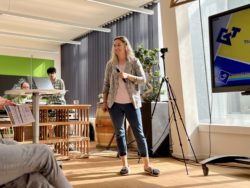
231, 43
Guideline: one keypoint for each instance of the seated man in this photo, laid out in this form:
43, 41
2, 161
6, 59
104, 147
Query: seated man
25, 85
28, 165
22, 99
57, 84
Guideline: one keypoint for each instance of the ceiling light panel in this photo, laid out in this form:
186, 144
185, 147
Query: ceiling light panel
21, 48
28, 44
71, 24
30, 37
123, 6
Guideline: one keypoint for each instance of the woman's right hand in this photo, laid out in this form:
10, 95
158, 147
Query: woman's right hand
105, 106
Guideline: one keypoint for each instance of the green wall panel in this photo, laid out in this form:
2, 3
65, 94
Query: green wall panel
24, 66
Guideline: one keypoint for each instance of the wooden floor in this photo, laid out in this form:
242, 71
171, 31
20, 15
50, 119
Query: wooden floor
102, 167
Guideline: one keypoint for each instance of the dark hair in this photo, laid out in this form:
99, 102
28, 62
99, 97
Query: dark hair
51, 70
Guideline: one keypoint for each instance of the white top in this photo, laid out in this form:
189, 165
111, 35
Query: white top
122, 96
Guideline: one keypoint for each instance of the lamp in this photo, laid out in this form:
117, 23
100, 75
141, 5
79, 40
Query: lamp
122, 6
39, 38
55, 21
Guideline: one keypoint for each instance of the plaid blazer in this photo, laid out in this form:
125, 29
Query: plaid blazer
110, 84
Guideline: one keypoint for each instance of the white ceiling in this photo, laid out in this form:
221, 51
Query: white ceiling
80, 12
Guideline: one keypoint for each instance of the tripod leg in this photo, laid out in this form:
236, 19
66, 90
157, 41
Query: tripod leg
182, 122
174, 116
111, 140
173, 103
157, 98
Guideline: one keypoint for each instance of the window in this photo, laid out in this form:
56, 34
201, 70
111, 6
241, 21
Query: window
226, 108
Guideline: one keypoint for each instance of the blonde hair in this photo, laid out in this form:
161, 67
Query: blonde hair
129, 50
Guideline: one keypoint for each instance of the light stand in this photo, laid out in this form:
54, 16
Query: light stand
174, 108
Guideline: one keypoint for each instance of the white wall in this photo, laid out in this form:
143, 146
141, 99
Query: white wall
225, 140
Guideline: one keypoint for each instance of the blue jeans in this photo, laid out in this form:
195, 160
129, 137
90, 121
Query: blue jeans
117, 113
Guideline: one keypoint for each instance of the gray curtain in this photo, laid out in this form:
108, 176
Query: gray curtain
83, 66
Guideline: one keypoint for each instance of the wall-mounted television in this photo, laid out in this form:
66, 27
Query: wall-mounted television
229, 35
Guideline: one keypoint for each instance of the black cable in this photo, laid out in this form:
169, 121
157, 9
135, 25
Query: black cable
208, 96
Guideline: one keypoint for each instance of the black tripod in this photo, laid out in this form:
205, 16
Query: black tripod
174, 108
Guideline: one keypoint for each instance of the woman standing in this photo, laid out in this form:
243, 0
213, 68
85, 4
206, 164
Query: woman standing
122, 99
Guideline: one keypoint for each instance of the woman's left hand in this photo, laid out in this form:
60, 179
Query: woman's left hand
123, 75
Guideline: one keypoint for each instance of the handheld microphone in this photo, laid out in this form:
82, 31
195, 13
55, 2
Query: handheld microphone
118, 70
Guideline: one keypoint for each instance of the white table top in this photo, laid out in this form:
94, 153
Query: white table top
31, 91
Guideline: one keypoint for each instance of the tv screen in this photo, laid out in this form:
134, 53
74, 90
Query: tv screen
229, 34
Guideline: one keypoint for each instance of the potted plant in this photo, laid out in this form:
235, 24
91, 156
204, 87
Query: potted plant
150, 63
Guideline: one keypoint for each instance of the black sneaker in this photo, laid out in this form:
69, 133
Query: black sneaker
124, 171
152, 171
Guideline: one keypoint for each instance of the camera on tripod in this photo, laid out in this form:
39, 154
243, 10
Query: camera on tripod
163, 50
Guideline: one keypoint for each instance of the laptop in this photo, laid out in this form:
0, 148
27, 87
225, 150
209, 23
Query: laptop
42, 83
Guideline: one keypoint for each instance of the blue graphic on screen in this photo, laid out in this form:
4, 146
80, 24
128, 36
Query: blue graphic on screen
225, 36
229, 72
223, 76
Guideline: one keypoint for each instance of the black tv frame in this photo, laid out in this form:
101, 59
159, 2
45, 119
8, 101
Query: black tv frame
245, 89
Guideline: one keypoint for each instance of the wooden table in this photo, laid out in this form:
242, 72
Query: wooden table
64, 125
61, 125
36, 93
